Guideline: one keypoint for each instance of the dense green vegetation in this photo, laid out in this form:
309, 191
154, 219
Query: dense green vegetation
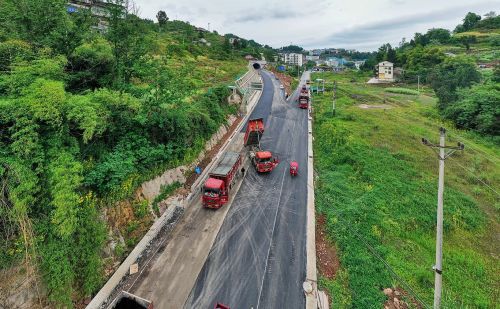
448, 62
377, 187
86, 116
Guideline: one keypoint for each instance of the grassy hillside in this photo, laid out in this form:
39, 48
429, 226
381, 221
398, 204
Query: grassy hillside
377, 187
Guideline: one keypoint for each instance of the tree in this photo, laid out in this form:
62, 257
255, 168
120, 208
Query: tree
292, 49
438, 34
420, 39
453, 73
496, 74
421, 60
162, 18
91, 65
477, 108
470, 20
467, 40
391, 54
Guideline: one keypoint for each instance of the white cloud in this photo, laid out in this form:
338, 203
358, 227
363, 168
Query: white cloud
361, 24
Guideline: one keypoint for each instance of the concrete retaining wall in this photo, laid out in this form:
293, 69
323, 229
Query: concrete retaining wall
150, 189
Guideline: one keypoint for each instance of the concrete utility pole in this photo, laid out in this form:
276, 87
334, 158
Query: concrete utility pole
438, 268
418, 83
334, 97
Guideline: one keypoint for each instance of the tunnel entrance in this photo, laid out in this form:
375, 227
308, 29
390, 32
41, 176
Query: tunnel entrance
256, 65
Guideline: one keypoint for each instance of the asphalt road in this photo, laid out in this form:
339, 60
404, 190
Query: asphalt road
258, 259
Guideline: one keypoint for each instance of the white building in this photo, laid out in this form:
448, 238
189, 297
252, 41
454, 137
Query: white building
312, 58
98, 8
292, 58
358, 64
385, 71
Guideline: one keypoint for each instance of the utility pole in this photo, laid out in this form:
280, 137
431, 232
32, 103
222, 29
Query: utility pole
443, 154
418, 83
334, 97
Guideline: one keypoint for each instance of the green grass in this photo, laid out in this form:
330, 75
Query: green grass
377, 187
401, 90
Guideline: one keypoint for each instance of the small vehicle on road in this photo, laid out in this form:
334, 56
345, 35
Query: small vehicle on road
282, 87
294, 168
221, 306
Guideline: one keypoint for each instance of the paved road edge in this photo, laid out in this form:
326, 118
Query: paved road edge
310, 286
121, 273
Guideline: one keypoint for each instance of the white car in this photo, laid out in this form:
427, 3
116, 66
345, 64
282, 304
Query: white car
282, 87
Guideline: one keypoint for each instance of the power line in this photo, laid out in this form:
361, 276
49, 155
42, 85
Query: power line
479, 179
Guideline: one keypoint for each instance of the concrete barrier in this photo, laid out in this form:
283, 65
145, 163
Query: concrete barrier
311, 275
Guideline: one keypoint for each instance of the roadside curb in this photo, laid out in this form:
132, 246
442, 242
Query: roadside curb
102, 297
311, 275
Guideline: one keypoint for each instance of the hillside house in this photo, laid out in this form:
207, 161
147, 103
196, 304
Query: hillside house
385, 71
98, 8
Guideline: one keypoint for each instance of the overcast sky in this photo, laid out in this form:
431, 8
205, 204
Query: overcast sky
357, 24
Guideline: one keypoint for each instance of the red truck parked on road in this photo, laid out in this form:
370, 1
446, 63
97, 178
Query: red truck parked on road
304, 97
263, 161
221, 180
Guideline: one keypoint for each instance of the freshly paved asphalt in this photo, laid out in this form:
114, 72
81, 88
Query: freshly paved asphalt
258, 259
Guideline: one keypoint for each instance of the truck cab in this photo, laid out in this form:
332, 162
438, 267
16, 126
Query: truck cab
264, 161
214, 193
303, 101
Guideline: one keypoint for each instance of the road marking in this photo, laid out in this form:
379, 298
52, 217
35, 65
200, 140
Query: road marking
274, 224
272, 234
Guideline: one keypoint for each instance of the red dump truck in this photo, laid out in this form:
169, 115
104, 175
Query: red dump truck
221, 180
130, 301
263, 161
304, 97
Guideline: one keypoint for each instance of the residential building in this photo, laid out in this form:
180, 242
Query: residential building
292, 58
336, 62
358, 64
312, 58
385, 71
98, 8
315, 52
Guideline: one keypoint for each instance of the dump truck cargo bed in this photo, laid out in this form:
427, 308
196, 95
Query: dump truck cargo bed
226, 164
253, 134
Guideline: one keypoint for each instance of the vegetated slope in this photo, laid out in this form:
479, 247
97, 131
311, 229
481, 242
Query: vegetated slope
86, 117
377, 187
